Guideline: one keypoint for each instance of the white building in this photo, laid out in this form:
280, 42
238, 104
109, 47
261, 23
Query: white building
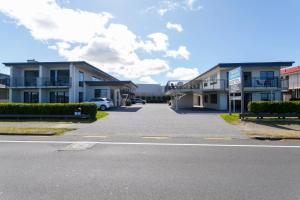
149, 90
210, 90
63, 82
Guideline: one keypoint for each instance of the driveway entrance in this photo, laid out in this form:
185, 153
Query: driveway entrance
159, 120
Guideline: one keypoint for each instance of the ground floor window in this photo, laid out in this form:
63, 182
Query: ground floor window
80, 97
214, 98
267, 96
100, 93
31, 97
205, 98
59, 97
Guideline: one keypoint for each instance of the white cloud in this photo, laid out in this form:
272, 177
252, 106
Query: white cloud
181, 52
148, 80
157, 42
191, 4
82, 35
176, 27
183, 73
166, 6
46, 20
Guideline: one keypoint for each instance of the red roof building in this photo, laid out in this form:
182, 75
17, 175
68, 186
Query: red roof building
290, 70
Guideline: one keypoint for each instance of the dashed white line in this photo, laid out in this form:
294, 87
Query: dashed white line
154, 144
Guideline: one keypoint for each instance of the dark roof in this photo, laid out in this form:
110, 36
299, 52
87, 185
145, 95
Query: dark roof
59, 63
6, 75
110, 83
249, 64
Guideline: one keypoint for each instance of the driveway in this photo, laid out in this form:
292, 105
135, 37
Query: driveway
159, 120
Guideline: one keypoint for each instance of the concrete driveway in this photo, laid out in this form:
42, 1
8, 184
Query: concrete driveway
159, 120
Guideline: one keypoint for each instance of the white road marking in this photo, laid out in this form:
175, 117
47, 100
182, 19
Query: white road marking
78, 146
153, 144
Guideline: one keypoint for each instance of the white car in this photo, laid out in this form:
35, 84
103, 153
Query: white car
102, 103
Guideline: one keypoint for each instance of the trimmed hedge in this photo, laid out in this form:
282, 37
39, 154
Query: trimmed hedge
48, 108
274, 107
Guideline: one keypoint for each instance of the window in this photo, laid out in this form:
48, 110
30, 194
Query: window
267, 96
214, 98
31, 97
266, 75
59, 97
81, 79
30, 77
213, 79
100, 93
59, 77
205, 98
80, 97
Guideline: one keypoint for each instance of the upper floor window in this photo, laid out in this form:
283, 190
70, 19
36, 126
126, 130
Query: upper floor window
30, 77
213, 77
266, 75
81, 79
59, 77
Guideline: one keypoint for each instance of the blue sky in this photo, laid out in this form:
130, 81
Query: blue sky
131, 40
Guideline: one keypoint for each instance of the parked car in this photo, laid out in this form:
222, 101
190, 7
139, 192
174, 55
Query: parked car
102, 103
138, 100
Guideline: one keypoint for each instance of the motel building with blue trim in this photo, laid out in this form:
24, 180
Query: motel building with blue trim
261, 81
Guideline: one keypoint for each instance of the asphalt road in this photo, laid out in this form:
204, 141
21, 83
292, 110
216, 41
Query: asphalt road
148, 171
159, 120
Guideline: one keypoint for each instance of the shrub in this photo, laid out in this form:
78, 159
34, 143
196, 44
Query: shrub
128, 102
48, 108
274, 107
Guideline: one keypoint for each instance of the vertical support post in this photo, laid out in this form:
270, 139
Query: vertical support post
176, 102
242, 91
233, 101
229, 101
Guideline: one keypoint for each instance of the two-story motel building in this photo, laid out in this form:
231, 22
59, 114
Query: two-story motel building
261, 81
63, 82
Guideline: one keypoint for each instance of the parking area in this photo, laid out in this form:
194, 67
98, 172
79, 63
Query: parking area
159, 120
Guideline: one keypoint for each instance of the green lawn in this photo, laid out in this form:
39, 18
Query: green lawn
101, 114
33, 131
233, 118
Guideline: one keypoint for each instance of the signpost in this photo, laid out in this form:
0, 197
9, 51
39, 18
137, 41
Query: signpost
235, 80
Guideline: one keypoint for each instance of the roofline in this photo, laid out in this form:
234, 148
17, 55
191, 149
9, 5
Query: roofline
60, 62
271, 64
117, 81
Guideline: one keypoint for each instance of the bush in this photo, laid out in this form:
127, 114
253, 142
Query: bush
274, 107
128, 102
48, 108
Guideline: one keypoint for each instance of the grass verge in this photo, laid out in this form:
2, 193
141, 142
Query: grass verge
274, 135
33, 131
101, 114
233, 118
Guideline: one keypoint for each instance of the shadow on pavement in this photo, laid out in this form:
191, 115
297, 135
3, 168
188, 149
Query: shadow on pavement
125, 109
196, 111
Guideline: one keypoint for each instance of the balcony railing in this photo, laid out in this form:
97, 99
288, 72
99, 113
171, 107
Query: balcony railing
40, 82
222, 84
263, 83
4, 82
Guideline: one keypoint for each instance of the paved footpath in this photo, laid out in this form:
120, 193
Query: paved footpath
159, 120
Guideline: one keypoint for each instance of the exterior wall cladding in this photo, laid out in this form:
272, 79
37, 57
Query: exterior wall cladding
47, 82
262, 81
